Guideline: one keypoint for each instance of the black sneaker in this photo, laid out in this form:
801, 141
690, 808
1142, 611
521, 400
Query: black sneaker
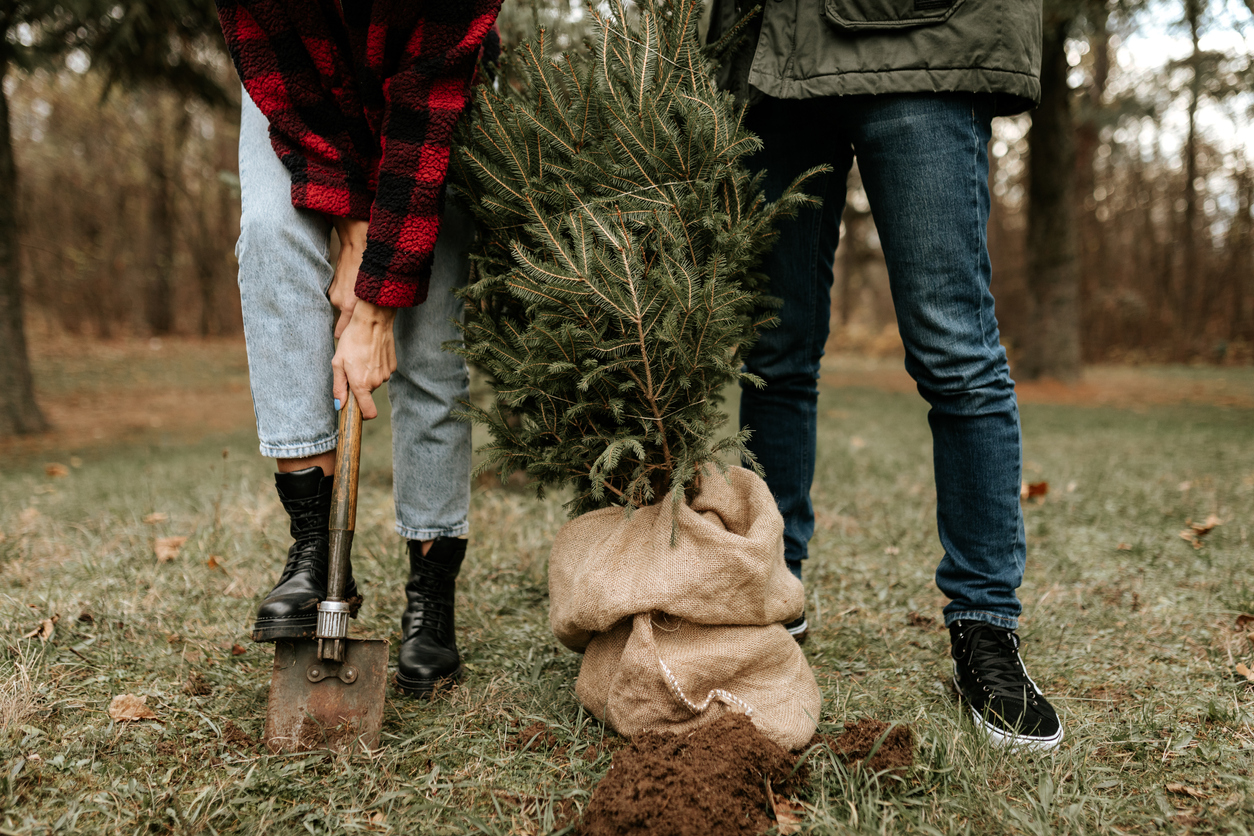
798, 628
992, 681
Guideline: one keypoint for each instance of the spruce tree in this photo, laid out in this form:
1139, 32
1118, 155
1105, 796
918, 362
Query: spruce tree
614, 293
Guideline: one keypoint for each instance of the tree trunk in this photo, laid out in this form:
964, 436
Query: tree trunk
1052, 341
19, 414
1190, 294
159, 301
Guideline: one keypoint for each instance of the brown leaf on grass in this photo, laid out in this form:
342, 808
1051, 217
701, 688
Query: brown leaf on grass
238, 650
1123, 547
1245, 671
167, 548
787, 813
3, 536
1033, 490
156, 517
213, 563
1182, 789
56, 470
1203, 528
128, 707
1196, 531
1244, 621
45, 629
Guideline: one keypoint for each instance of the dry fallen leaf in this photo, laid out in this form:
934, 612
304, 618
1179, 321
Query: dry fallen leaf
1123, 547
213, 563
787, 813
1184, 486
238, 650
156, 517
1244, 621
1033, 490
3, 537
1244, 671
891, 550
1196, 531
167, 548
378, 819
45, 629
56, 470
127, 707
1204, 528
1192, 792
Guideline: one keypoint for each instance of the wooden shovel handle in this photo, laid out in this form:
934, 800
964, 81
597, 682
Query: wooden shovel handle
344, 498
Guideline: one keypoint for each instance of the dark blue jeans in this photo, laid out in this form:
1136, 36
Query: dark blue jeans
924, 165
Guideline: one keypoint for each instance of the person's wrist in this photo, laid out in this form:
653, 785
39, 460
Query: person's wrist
374, 313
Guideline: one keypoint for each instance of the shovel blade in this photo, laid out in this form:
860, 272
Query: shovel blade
312, 706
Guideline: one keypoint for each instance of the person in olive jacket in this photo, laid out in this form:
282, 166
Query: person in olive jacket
909, 88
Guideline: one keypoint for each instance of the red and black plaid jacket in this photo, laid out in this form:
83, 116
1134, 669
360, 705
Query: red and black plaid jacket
362, 103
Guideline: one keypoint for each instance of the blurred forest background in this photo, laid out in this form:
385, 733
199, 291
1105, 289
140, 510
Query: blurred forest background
1122, 226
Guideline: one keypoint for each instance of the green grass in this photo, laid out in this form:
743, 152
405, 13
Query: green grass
1135, 646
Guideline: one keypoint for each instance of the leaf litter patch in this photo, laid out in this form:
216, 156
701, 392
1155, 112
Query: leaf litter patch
722, 778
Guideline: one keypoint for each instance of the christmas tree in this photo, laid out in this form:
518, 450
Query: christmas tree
614, 293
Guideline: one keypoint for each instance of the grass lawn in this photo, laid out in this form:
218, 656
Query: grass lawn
1132, 632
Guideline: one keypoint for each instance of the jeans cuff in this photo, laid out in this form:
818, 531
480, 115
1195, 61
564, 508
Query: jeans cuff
459, 530
299, 451
1003, 621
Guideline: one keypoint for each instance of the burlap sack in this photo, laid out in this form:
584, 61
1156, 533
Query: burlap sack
674, 636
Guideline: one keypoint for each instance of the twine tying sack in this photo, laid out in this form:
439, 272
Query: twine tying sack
675, 636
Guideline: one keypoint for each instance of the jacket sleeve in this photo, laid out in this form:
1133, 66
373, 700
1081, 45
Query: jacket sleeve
277, 56
423, 102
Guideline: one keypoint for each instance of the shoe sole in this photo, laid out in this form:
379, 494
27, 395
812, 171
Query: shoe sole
297, 627
1009, 740
423, 688
800, 632
275, 629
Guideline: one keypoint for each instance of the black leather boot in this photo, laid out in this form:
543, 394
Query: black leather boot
428, 657
290, 611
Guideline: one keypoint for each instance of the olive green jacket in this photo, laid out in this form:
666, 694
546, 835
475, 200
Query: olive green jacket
801, 49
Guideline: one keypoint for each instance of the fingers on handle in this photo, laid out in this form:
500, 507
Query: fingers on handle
366, 401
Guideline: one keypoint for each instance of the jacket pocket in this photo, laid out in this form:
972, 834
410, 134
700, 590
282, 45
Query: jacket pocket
867, 15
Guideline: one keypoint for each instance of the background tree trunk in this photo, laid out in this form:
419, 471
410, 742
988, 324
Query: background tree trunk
1052, 340
19, 413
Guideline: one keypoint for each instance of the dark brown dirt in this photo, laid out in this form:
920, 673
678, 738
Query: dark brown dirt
712, 781
197, 686
895, 755
536, 736
313, 737
236, 737
923, 622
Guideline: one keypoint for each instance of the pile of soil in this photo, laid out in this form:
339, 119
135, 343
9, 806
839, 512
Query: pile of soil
710, 781
896, 753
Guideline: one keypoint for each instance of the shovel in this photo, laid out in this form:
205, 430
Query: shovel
328, 692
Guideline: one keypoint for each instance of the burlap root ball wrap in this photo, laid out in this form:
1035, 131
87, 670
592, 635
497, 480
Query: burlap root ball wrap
674, 636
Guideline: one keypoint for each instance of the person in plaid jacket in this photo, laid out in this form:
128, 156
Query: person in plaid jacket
348, 113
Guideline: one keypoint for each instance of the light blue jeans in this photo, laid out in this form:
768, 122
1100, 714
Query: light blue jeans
924, 165
284, 275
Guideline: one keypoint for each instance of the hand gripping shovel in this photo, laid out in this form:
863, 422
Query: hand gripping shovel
328, 692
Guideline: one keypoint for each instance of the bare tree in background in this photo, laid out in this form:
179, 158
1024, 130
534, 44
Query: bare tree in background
1052, 343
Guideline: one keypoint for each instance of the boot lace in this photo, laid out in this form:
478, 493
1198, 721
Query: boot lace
993, 657
429, 605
